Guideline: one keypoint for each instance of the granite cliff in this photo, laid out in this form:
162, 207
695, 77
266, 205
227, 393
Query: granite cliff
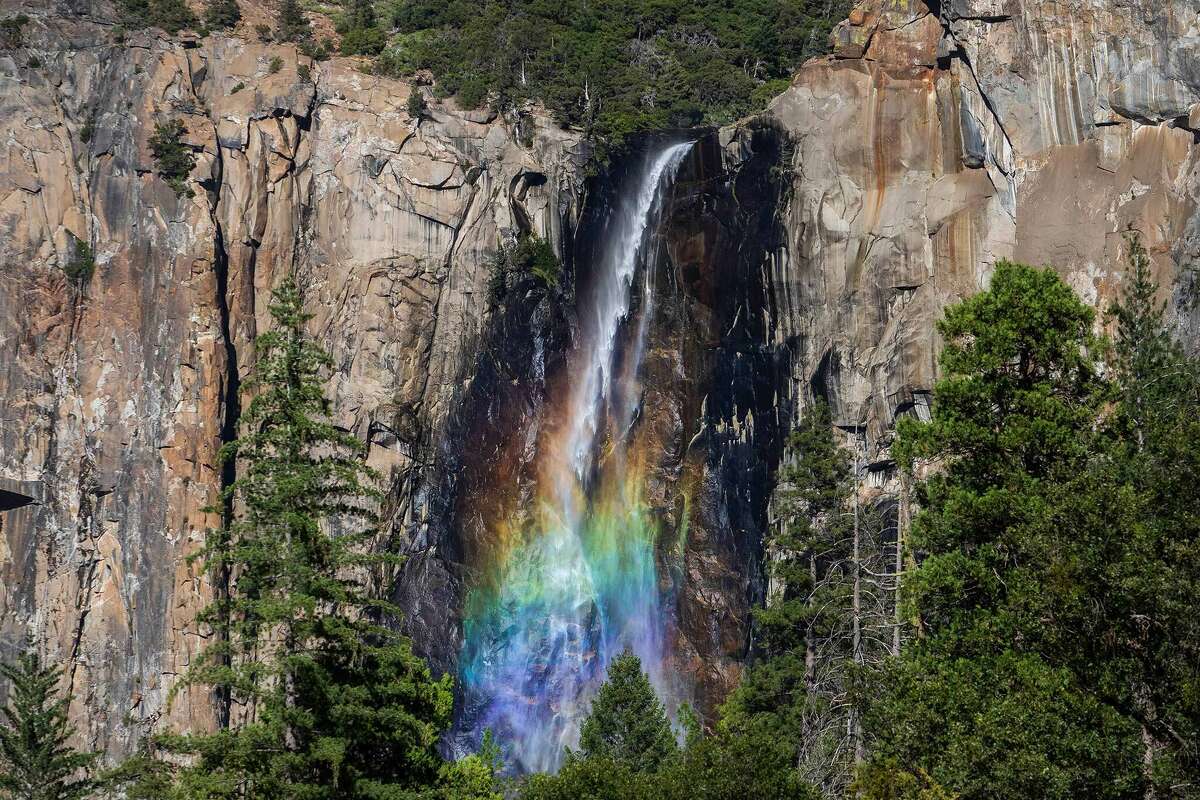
807, 251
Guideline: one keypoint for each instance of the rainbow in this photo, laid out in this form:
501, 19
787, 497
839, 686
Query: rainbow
574, 576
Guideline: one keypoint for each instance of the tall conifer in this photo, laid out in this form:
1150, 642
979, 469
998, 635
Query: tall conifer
328, 701
36, 762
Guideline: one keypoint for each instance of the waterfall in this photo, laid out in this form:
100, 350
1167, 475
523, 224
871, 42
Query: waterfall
576, 581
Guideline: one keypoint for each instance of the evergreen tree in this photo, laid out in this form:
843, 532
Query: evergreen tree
291, 23
170, 15
222, 14
36, 763
328, 701
1152, 369
627, 722
1140, 646
359, 27
597, 778
173, 158
986, 702
829, 608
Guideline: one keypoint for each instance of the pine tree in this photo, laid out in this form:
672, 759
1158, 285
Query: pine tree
329, 701
627, 722
361, 34
291, 23
36, 763
829, 608
1146, 537
989, 701
222, 14
1148, 361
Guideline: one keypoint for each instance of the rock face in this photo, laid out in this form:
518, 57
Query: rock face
809, 251
115, 398
938, 140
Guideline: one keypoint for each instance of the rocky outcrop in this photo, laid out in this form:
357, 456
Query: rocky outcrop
936, 140
116, 397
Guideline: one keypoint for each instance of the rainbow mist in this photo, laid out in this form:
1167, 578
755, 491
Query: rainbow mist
573, 579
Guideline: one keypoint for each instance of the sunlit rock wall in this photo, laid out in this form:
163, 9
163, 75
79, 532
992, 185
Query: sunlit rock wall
114, 400
808, 252
935, 141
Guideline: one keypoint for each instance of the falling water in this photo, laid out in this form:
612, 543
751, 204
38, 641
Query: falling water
577, 582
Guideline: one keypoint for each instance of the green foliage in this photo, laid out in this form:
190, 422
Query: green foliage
263, 32
291, 23
222, 14
719, 767
171, 16
1003, 726
340, 705
416, 107
886, 780
89, 128
531, 257
832, 611
589, 779
1060, 535
813, 489
474, 777
12, 30
317, 51
363, 41
610, 67
360, 30
36, 763
81, 265
274, 65
139, 777
1137, 511
748, 764
536, 256
173, 158
627, 722
778, 699
304, 73
627, 750
237, 87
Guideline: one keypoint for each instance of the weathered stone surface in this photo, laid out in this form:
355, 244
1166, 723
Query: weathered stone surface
809, 252
1041, 133
115, 400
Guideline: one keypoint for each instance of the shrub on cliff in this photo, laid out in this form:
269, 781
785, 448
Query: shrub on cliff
169, 15
535, 256
291, 23
614, 68
416, 107
531, 256
222, 14
360, 30
80, 265
173, 158
36, 762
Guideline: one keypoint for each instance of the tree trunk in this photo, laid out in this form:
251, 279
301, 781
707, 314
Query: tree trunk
898, 563
856, 608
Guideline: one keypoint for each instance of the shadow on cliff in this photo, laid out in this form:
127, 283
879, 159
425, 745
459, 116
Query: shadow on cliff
715, 409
